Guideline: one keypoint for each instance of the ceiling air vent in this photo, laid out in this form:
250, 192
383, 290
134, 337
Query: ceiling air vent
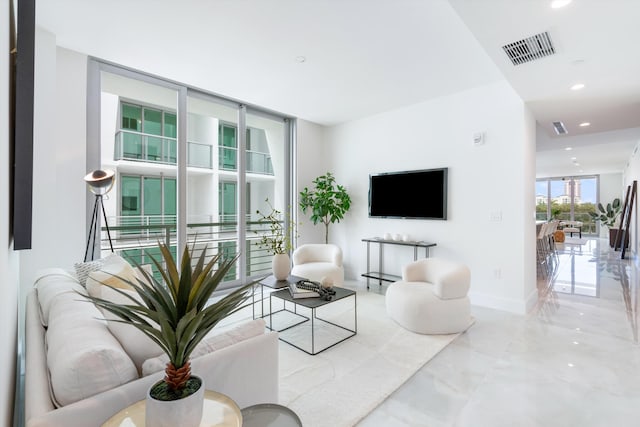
529, 49
559, 128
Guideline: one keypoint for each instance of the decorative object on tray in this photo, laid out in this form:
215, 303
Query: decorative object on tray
309, 289
299, 292
328, 201
175, 315
277, 241
326, 282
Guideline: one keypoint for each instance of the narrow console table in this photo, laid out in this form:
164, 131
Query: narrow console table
381, 276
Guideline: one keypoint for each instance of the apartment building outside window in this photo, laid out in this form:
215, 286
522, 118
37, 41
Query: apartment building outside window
191, 167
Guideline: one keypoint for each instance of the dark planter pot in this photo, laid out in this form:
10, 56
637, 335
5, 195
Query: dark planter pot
613, 233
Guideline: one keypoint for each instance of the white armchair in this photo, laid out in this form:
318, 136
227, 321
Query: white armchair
432, 297
315, 261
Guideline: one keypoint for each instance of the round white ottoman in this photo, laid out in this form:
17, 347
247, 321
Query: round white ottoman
415, 307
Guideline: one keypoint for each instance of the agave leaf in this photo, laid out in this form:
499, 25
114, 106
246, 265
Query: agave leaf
196, 291
211, 284
173, 278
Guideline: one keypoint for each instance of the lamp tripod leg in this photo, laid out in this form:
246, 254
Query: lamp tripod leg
92, 230
106, 224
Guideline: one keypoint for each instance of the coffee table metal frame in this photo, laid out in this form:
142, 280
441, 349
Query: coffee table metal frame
312, 304
269, 282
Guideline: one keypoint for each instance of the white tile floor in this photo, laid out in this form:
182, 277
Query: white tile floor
574, 361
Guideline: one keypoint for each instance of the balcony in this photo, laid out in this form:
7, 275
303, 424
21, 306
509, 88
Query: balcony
142, 147
135, 237
257, 162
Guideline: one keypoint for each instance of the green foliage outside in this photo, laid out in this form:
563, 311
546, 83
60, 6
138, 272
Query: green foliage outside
562, 211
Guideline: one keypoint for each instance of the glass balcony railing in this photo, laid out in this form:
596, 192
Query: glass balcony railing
138, 146
137, 237
257, 162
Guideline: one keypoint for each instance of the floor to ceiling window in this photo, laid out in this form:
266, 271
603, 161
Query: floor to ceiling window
191, 169
568, 199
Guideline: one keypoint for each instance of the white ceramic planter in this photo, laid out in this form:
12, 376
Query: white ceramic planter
281, 266
185, 412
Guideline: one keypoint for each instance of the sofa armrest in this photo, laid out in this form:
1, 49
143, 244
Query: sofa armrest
247, 372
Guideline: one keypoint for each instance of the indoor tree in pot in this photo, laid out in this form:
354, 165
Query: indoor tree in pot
327, 201
176, 316
277, 241
608, 217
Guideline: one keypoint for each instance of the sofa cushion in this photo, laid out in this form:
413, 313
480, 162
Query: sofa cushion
83, 357
49, 284
215, 340
138, 346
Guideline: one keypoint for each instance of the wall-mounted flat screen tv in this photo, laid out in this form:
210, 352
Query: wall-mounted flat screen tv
418, 194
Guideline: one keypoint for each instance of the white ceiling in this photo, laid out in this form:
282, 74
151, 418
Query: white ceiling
368, 56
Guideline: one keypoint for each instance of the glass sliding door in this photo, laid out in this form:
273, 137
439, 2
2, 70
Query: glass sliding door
135, 118
568, 199
191, 168
266, 176
212, 178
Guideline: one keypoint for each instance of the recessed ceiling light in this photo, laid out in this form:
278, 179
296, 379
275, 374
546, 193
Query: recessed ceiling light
568, 149
557, 4
301, 59
584, 124
576, 163
577, 86
574, 158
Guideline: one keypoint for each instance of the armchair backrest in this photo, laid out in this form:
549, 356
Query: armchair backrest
317, 252
449, 279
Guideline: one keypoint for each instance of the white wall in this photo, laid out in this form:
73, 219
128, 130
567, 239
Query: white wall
8, 258
310, 162
59, 192
495, 179
632, 173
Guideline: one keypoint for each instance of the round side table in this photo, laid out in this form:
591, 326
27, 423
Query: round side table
218, 411
269, 415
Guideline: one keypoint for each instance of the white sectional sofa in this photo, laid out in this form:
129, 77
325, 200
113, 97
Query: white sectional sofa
71, 357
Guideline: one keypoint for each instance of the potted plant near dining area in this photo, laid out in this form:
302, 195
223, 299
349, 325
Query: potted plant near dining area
176, 314
608, 216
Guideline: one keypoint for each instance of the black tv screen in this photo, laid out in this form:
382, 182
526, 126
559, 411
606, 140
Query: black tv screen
420, 194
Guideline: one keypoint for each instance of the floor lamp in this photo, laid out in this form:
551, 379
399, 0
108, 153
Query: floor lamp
100, 182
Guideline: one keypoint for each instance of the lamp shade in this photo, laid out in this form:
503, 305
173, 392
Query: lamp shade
100, 181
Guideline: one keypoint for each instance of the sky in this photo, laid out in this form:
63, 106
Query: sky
588, 189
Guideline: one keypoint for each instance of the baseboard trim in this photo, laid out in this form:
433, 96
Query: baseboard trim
500, 303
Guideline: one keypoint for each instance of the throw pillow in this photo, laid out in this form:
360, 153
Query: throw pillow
214, 341
84, 268
115, 272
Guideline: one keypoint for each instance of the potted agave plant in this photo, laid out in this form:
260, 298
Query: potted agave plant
277, 241
176, 316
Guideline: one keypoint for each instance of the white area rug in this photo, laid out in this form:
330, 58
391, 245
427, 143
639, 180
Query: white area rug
343, 384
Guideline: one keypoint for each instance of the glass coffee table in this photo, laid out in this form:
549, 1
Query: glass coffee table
312, 304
